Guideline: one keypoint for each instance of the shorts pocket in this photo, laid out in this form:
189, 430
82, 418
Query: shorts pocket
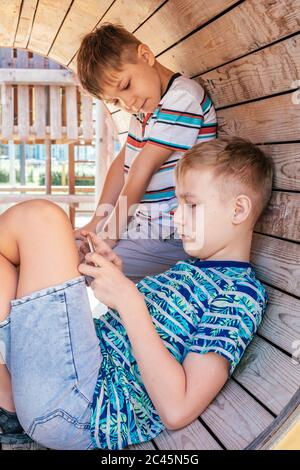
59, 430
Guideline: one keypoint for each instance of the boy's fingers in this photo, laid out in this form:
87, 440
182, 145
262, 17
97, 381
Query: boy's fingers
97, 259
88, 270
99, 243
84, 248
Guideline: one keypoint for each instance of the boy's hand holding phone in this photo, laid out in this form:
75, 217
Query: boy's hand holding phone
94, 244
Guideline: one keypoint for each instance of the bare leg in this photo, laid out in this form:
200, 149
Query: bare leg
37, 236
8, 283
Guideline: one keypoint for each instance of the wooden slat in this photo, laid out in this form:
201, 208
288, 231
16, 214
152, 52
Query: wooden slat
87, 116
277, 262
7, 127
244, 29
29, 446
48, 18
37, 61
71, 181
37, 77
9, 13
6, 57
269, 374
55, 113
40, 111
23, 99
281, 322
269, 71
192, 437
235, 417
48, 178
23, 112
132, 13
179, 17
269, 120
72, 124
286, 158
143, 446
282, 216
81, 19
25, 23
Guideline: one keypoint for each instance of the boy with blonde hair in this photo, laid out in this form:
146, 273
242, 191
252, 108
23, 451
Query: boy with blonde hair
170, 114
166, 346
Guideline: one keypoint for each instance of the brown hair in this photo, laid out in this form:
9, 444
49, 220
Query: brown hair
108, 47
238, 162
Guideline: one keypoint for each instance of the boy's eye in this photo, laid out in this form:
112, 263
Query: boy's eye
127, 86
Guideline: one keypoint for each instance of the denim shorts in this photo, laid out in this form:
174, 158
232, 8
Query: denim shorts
53, 355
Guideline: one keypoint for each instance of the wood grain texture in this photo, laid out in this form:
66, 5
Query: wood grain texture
7, 125
286, 159
9, 14
281, 322
235, 417
80, 20
269, 374
244, 29
270, 120
71, 105
129, 13
179, 18
277, 262
25, 23
274, 69
282, 216
47, 21
87, 116
40, 111
193, 437
55, 113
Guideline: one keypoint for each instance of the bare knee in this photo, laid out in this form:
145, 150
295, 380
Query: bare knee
36, 210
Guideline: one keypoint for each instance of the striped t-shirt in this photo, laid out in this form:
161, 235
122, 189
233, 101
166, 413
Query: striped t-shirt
184, 117
196, 306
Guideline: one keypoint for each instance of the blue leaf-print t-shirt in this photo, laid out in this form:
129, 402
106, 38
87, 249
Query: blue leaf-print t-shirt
196, 306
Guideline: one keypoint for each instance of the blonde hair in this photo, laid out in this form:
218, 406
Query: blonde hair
107, 48
238, 163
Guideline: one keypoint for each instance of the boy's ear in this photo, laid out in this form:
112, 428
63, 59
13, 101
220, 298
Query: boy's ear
242, 209
145, 53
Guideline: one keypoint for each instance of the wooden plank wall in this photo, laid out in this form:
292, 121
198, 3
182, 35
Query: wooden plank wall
246, 54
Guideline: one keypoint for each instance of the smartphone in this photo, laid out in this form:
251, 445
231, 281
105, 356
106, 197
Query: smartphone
90, 242
91, 246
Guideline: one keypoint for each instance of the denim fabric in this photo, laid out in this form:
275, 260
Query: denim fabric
53, 354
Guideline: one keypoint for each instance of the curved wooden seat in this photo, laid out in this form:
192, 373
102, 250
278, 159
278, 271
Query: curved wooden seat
247, 55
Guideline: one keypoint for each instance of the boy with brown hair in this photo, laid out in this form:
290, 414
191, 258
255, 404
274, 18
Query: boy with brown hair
170, 114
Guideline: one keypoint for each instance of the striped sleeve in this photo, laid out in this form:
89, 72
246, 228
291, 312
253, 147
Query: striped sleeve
227, 327
178, 122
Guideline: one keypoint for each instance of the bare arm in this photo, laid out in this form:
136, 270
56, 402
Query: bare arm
179, 392
114, 182
144, 166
